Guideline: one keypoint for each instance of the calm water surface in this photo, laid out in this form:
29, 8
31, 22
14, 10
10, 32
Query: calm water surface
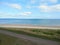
41, 22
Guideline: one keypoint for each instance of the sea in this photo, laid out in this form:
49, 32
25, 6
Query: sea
40, 22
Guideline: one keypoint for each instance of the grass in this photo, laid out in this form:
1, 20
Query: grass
8, 40
51, 34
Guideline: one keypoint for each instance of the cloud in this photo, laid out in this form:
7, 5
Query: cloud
49, 8
56, 7
13, 15
45, 5
53, 1
26, 13
13, 5
44, 1
17, 6
44, 8
33, 1
47, 1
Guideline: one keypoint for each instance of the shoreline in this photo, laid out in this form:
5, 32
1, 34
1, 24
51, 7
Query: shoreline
28, 26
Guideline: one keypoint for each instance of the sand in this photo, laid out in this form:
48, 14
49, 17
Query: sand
29, 26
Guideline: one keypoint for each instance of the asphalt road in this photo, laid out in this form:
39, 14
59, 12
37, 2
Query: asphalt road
33, 39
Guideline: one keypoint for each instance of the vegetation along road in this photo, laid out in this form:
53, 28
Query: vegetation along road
33, 39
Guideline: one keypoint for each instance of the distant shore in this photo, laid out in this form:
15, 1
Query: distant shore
29, 26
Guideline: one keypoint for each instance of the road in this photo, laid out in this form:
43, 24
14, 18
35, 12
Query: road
33, 39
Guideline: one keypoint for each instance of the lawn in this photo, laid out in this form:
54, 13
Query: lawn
51, 34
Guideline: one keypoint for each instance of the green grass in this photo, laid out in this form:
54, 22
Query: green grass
51, 34
9, 40
6, 40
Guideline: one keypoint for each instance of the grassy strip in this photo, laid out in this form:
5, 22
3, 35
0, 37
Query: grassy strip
50, 34
9, 40
6, 40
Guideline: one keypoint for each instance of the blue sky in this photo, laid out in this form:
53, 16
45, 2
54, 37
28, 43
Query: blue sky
30, 9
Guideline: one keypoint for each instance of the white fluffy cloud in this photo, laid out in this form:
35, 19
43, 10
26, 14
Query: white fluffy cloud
50, 8
13, 5
44, 8
26, 13
44, 1
17, 6
12, 15
51, 1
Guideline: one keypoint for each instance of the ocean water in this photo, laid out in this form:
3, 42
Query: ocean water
41, 22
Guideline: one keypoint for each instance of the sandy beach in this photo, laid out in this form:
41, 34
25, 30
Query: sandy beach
28, 26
